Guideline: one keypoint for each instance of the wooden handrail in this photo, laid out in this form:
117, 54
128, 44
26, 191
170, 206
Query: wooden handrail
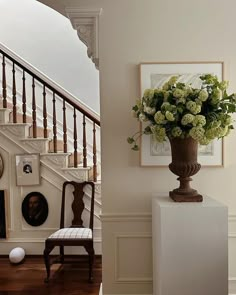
61, 95
64, 96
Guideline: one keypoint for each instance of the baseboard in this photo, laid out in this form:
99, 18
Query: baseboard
82, 256
100, 290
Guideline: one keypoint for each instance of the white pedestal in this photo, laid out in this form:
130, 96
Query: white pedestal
190, 247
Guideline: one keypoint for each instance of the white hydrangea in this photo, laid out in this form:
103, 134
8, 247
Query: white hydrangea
197, 133
159, 133
204, 141
178, 93
169, 116
181, 100
159, 118
165, 106
148, 94
149, 110
199, 120
173, 80
166, 95
142, 117
193, 107
203, 95
176, 132
215, 96
187, 119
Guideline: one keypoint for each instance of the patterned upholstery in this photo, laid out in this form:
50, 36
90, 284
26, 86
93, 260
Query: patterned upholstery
72, 233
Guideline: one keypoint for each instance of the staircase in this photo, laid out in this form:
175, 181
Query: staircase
39, 116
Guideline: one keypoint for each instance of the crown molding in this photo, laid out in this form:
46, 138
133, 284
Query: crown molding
86, 21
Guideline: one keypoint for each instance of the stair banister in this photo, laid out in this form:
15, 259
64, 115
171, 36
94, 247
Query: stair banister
58, 92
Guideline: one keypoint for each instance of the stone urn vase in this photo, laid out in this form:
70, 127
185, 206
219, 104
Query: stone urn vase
184, 164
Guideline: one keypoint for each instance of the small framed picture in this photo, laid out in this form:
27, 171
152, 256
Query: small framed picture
27, 169
35, 209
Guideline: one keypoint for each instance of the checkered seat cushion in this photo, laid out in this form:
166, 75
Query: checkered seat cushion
72, 233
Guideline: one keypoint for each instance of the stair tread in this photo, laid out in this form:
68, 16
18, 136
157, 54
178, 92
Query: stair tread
34, 139
79, 167
15, 124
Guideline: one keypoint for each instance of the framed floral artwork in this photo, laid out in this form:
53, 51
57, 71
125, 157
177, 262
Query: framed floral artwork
154, 75
27, 169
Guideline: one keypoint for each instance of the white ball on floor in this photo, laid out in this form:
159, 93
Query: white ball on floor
17, 255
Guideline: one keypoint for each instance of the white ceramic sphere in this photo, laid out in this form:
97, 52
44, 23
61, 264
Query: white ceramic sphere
17, 255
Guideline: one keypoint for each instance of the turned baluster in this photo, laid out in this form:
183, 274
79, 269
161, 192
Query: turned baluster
54, 124
75, 141
4, 83
34, 123
45, 123
23, 98
64, 127
14, 93
84, 143
94, 154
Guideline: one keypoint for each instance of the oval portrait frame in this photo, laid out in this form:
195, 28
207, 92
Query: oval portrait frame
34, 209
1, 166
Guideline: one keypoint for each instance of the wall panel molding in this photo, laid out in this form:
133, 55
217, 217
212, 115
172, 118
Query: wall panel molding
118, 276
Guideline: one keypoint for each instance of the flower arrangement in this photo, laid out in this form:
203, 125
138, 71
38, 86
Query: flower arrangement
179, 110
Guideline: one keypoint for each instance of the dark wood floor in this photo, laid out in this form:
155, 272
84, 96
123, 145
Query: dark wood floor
28, 278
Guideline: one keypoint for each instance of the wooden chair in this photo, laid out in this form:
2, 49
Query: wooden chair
76, 234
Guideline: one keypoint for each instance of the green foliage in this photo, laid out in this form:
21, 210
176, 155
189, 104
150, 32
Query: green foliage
179, 110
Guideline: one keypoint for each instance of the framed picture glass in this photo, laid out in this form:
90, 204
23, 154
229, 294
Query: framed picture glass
27, 169
35, 209
3, 217
154, 75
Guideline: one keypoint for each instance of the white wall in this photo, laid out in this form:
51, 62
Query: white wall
131, 32
45, 38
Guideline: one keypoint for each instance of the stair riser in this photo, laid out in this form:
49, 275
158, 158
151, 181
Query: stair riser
56, 160
40, 132
60, 146
71, 159
15, 130
76, 174
39, 146
19, 118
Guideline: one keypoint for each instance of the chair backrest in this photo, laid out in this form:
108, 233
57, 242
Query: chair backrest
78, 203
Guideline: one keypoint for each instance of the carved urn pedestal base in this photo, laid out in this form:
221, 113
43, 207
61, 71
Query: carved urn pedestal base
184, 164
185, 195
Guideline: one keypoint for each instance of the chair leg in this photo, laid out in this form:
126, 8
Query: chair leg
62, 254
91, 262
46, 253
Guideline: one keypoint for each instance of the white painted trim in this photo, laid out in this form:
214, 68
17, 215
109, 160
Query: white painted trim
86, 22
130, 280
100, 290
48, 80
140, 216
56, 181
126, 217
232, 285
59, 123
136, 294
